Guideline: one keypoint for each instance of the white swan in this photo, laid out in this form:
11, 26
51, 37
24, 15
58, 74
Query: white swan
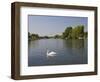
52, 53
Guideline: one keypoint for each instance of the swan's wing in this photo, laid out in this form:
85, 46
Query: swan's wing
54, 53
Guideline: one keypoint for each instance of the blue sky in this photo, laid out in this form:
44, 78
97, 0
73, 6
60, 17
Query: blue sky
52, 25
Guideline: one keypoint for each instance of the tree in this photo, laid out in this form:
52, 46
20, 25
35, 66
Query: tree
34, 36
57, 36
67, 33
78, 32
29, 36
46, 37
74, 33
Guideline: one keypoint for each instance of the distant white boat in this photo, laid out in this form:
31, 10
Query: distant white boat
50, 53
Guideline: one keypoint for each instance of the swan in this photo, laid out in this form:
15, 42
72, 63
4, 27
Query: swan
52, 53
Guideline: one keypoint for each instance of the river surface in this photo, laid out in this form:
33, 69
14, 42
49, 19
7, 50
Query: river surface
68, 52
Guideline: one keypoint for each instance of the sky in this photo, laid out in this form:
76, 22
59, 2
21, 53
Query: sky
52, 25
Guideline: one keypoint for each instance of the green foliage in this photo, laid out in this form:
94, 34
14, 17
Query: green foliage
74, 33
69, 33
33, 36
78, 32
46, 37
57, 36
29, 36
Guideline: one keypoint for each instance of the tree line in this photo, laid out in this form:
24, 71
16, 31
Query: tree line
69, 33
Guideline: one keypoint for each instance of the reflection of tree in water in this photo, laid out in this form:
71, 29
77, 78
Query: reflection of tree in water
74, 43
33, 44
78, 44
74, 46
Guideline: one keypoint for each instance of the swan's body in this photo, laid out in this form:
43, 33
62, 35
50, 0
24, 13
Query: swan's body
52, 53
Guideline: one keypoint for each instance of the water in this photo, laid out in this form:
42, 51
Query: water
69, 52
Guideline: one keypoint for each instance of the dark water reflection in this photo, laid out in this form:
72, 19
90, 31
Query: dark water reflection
68, 52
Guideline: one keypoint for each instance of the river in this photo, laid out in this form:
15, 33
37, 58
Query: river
68, 52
